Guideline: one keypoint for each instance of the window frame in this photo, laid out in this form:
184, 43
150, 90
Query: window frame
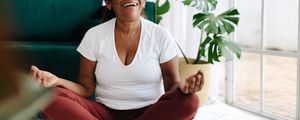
298, 68
230, 96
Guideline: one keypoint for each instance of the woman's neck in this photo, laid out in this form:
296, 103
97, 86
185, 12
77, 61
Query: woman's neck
128, 27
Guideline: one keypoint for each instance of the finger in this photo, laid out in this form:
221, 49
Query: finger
34, 68
185, 88
200, 72
201, 82
189, 82
32, 72
39, 76
197, 83
192, 85
198, 79
181, 86
45, 83
35, 74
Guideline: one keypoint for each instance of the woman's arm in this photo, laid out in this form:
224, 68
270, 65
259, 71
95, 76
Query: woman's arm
170, 72
85, 87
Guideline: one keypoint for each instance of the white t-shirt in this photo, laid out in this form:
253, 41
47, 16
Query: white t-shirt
130, 86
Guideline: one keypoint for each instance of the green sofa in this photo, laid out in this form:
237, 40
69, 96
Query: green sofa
46, 33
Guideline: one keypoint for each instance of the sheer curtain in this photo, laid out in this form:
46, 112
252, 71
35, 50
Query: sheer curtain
179, 22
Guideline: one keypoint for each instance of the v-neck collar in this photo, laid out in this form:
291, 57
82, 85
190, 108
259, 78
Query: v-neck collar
138, 48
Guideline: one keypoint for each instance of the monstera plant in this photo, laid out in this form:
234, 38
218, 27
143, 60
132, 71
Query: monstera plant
161, 10
214, 28
213, 43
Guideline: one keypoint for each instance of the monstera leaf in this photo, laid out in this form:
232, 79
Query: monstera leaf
213, 28
217, 47
201, 5
223, 23
226, 47
160, 10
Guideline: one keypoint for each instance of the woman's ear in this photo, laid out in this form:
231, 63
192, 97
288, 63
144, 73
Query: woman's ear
144, 3
108, 4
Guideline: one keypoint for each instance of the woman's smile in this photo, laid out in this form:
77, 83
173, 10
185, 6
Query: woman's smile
130, 4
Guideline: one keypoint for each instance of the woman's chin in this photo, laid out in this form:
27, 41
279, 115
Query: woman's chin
131, 17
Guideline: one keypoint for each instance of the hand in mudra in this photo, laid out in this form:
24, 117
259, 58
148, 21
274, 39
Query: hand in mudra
192, 84
44, 78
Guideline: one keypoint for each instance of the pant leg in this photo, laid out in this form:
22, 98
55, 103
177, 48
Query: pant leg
173, 105
66, 105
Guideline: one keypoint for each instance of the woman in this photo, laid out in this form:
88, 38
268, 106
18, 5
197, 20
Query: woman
127, 55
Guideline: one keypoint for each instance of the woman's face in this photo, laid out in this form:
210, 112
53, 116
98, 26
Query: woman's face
126, 9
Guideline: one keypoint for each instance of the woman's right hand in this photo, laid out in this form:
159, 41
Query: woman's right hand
44, 78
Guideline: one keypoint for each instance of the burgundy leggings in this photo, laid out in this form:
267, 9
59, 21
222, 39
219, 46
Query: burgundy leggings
173, 105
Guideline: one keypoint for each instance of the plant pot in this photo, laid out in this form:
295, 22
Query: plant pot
186, 70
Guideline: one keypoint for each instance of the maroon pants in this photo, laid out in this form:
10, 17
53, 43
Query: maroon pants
173, 105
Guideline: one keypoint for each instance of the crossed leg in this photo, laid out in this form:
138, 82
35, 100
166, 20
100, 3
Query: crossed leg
173, 105
66, 105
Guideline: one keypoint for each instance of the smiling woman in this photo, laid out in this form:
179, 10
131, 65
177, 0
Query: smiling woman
126, 9
122, 61
108, 13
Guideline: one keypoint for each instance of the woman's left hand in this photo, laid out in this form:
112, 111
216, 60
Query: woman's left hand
192, 84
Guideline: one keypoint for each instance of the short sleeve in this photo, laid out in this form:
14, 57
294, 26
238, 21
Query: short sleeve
168, 48
87, 46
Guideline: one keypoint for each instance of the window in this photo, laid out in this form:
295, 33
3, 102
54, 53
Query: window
264, 80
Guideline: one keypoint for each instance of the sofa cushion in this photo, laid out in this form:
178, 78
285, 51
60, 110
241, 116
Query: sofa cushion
61, 59
49, 32
55, 20
58, 20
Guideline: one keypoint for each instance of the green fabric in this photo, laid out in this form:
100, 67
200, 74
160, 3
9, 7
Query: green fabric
55, 19
59, 20
49, 31
150, 11
61, 59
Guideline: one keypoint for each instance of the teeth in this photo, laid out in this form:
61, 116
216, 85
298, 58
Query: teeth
130, 4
